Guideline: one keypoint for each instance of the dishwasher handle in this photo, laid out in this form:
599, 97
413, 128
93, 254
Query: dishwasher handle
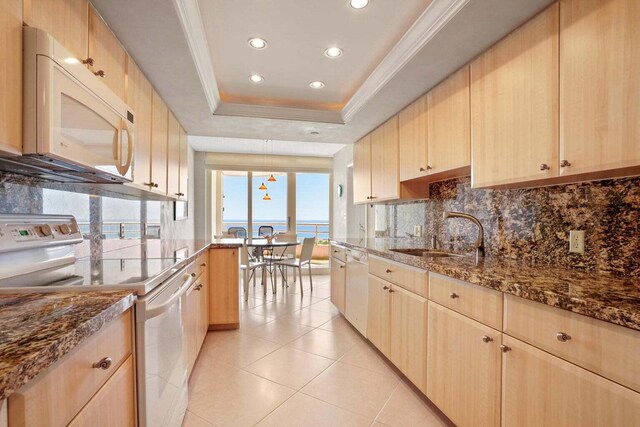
156, 311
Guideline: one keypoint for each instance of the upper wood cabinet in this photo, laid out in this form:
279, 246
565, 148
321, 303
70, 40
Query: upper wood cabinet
514, 105
11, 76
599, 85
449, 129
139, 98
108, 55
362, 170
173, 157
412, 140
66, 20
159, 144
385, 173
183, 187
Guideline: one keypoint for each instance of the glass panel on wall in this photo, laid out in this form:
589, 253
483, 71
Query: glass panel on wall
312, 206
235, 200
67, 203
269, 202
121, 218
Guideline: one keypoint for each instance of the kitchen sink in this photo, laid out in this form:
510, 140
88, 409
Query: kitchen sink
427, 253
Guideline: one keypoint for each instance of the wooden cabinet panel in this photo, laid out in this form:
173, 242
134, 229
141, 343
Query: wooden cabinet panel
409, 335
514, 105
385, 168
599, 85
362, 170
11, 76
107, 53
448, 112
224, 310
541, 389
338, 284
139, 98
412, 140
114, 404
190, 309
378, 314
159, 144
183, 182
410, 278
202, 324
66, 20
173, 157
463, 371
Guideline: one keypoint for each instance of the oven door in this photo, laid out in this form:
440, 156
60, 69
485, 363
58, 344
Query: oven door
77, 127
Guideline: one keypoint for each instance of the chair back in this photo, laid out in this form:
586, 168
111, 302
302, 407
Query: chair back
289, 251
265, 230
237, 232
307, 249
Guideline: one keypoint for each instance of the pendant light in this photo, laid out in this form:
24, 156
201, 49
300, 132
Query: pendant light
272, 178
266, 197
262, 187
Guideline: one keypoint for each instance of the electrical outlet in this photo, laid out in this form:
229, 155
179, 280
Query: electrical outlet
417, 230
576, 241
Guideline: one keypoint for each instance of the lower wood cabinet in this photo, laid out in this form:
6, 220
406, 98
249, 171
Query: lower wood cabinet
224, 288
338, 283
463, 368
378, 314
540, 389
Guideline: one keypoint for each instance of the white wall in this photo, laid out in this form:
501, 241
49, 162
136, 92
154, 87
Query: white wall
342, 205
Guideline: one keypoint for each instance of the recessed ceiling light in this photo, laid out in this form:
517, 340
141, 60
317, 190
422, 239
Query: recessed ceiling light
359, 4
257, 43
316, 85
333, 52
256, 78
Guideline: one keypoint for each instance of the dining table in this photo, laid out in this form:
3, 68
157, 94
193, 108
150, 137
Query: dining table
276, 250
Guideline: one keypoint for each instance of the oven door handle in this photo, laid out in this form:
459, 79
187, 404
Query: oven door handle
156, 311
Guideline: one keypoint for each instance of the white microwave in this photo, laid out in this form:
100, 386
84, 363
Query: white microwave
75, 128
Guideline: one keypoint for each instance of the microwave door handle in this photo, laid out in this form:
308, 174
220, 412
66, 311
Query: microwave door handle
130, 145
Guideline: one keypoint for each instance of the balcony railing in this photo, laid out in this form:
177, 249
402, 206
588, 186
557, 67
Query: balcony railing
319, 230
124, 229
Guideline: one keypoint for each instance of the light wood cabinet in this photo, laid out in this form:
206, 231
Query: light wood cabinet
463, 368
183, 181
11, 76
109, 57
362, 170
139, 98
173, 157
411, 278
599, 85
541, 389
338, 283
408, 334
514, 106
385, 172
378, 310
159, 144
449, 130
224, 309
412, 140
66, 20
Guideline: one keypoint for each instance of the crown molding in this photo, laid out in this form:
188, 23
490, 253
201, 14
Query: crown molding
281, 113
432, 20
193, 28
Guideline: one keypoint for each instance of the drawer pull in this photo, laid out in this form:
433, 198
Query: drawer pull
504, 348
335, 251
391, 290
453, 295
562, 337
342, 266
386, 288
193, 274
487, 339
203, 265
388, 271
104, 363
197, 288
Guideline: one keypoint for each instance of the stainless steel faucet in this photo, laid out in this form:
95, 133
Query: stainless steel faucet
480, 239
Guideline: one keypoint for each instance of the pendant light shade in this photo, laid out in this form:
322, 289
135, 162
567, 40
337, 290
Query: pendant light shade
262, 187
272, 178
266, 197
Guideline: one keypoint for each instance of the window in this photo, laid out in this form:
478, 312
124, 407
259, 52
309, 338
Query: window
271, 212
312, 206
235, 200
67, 203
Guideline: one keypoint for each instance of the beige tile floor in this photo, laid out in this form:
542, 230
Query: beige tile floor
295, 361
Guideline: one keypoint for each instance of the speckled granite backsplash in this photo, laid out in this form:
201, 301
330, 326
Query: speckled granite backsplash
532, 224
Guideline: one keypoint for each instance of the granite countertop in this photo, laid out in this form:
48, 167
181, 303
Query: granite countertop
38, 329
614, 299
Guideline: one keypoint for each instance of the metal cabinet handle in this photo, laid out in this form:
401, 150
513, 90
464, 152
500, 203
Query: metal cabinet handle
88, 61
429, 168
149, 184
487, 339
197, 288
388, 271
391, 290
179, 194
564, 163
104, 363
100, 73
386, 288
342, 266
563, 337
544, 166
335, 251
453, 295
204, 264
422, 169
504, 348
193, 274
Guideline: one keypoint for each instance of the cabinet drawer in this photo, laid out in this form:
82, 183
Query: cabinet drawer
201, 263
410, 278
339, 252
60, 394
609, 350
481, 304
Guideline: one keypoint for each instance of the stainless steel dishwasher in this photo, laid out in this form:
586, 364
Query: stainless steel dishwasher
357, 289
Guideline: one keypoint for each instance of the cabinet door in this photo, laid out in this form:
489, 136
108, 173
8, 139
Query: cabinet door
173, 157
514, 106
183, 187
599, 85
139, 98
11, 76
224, 300
66, 20
385, 168
159, 143
448, 113
378, 327
541, 389
338, 284
203, 312
109, 57
362, 170
463, 371
412, 140
409, 335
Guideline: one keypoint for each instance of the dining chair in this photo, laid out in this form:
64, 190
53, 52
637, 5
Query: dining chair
288, 252
237, 232
265, 230
249, 267
305, 259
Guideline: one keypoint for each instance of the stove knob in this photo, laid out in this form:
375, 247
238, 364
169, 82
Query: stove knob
73, 228
44, 229
64, 229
